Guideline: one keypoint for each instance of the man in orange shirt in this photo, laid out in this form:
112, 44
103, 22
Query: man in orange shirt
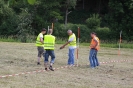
94, 47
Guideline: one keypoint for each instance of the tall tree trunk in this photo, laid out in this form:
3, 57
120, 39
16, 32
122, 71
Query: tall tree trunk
66, 17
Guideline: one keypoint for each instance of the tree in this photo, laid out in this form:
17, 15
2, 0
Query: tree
93, 22
24, 26
119, 17
46, 12
8, 19
69, 4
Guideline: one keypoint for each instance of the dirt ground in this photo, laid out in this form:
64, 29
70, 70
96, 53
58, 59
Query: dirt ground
20, 57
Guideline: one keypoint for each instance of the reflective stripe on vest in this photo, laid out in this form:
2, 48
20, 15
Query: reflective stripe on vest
93, 43
49, 42
72, 43
38, 43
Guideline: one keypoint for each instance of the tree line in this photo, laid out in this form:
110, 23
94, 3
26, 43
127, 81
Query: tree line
25, 18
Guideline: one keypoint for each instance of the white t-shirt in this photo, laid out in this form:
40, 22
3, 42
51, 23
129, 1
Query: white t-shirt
41, 35
70, 40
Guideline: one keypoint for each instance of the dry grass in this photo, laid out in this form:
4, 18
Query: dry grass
19, 57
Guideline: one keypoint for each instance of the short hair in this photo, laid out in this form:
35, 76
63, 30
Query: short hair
50, 31
69, 30
93, 33
43, 29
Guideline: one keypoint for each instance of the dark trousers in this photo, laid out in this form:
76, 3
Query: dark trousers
47, 54
93, 58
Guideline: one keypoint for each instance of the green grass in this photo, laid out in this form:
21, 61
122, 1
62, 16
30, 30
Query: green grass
62, 41
22, 57
112, 45
3, 39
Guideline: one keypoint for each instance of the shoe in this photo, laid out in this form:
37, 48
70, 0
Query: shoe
46, 69
51, 68
38, 63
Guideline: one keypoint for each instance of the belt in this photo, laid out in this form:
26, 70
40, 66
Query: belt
93, 48
48, 49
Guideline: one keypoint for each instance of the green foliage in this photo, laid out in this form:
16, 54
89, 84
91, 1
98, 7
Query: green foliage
24, 27
119, 18
61, 31
71, 3
46, 12
94, 21
21, 19
56, 15
8, 19
78, 16
8, 39
32, 2
104, 34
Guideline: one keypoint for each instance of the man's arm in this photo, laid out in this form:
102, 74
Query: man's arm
94, 46
64, 45
70, 40
41, 40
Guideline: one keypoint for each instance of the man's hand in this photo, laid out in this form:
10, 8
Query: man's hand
62, 47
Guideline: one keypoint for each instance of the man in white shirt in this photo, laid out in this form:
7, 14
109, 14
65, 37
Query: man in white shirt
40, 44
72, 46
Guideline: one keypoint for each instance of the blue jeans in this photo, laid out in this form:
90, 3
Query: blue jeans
71, 57
47, 54
93, 58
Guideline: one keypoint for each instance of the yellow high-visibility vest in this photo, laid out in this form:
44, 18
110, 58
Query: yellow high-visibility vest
72, 43
49, 42
38, 42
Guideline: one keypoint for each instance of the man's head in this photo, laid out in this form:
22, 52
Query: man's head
43, 31
69, 32
93, 34
50, 31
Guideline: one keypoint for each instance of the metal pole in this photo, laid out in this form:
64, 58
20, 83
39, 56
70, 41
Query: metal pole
48, 30
120, 43
78, 44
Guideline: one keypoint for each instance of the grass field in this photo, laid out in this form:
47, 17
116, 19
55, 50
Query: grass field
21, 57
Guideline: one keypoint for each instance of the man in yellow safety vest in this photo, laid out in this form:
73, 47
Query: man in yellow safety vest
40, 44
49, 42
72, 46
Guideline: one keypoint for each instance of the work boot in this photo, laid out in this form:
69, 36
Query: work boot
38, 63
51, 68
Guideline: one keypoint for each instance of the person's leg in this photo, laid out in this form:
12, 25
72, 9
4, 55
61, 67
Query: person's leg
40, 52
91, 58
52, 57
70, 57
46, 55
96, 59
73, 57
38, 57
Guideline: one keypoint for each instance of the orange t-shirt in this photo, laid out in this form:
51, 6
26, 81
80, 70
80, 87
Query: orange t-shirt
93, 43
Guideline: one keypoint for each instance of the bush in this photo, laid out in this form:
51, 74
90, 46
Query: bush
61, 31
93, 22
24, 26
103, 33
8, 19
